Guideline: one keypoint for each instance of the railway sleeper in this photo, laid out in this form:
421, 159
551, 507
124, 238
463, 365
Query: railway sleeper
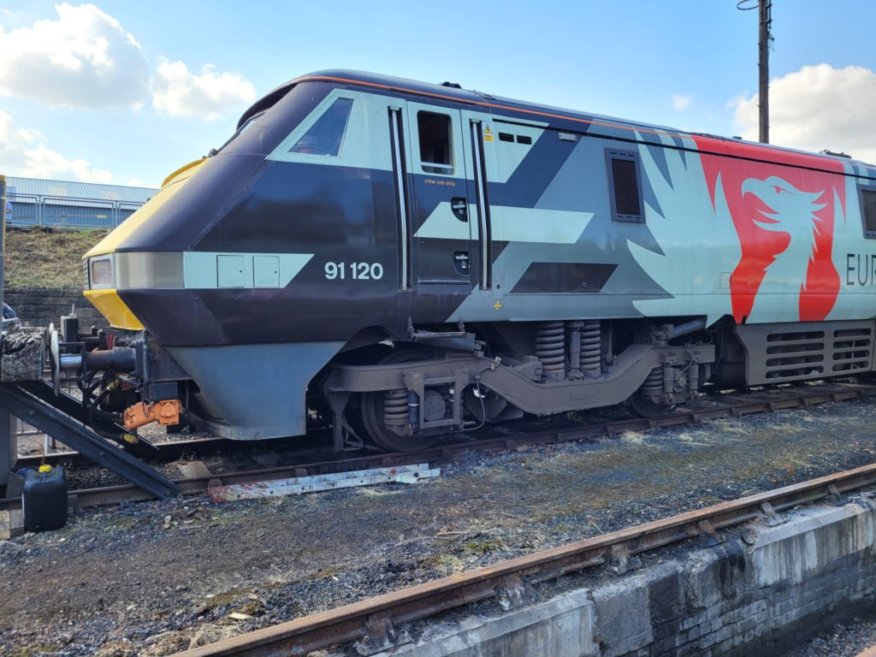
380, 635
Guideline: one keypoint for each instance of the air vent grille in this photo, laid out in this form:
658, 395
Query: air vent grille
852, 350
795, 355
781, 353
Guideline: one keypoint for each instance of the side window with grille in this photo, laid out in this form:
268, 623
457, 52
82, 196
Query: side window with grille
625, 187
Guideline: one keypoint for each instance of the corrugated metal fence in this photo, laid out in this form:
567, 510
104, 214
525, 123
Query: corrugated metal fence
70, 212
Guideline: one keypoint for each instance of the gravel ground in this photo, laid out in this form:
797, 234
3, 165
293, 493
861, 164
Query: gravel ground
154, 578
842, 641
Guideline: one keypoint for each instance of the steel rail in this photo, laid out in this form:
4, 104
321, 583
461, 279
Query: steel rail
166, 451
739, 406
355, 621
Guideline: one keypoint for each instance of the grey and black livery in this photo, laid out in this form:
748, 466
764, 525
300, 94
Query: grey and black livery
403, 260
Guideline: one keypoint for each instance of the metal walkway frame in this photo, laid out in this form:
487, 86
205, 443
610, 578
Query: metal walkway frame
62, 427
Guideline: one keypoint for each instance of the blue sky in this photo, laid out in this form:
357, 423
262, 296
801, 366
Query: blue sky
125, 92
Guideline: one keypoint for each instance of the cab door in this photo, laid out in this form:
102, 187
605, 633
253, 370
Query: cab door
442, 229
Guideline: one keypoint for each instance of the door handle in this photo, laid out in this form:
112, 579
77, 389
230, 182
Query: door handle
460, 261
459, 205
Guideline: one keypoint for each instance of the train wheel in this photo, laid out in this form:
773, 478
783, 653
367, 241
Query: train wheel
385, 414
642, 401
648, 409
484, 405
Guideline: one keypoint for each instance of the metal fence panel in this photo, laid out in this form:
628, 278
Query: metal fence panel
125, 209
69, 212
25, 210
76, 213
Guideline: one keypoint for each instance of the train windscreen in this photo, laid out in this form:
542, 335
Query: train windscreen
262, 131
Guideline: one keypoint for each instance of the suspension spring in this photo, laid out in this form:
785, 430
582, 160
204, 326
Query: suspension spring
591, 347
550, 347
395, 409
652, 388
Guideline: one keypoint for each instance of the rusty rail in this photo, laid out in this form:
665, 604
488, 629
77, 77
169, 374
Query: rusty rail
362, 620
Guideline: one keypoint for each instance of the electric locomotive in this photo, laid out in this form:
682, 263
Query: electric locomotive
404, 260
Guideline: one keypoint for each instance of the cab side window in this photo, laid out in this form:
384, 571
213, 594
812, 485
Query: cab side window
326, 135
625, 186
436, 144
868, 210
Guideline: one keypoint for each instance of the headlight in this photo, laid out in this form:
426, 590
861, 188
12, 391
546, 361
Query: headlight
101, 273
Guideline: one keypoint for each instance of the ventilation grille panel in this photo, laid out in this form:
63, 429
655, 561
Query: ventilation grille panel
780, 353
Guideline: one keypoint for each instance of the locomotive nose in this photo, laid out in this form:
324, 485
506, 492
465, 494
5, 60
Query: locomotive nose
105, 271
101, 292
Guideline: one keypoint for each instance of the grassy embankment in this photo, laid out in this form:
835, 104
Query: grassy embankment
47, 258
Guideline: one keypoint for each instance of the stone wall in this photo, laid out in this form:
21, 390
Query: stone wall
763, 590
39, 307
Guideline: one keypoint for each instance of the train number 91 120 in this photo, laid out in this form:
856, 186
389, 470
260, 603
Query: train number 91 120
357, 271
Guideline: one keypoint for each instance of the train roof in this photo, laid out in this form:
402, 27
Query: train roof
445, 91
449, 91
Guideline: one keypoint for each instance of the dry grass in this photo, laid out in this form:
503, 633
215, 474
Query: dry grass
46, 257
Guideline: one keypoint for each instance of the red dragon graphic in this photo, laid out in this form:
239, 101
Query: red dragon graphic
753, 189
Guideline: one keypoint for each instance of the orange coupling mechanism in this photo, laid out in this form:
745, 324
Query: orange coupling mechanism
164, 412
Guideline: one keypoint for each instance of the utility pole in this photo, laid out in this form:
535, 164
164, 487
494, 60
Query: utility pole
763, 45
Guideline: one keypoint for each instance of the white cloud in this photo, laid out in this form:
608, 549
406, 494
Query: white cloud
23, 152
178, 92
681, 102
818, 107
85, 58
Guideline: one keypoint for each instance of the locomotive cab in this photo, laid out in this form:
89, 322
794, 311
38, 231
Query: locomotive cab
407, 260
287, 244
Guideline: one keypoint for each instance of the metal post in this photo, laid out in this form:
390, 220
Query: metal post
3, 200
765, 11
8, 435
8, 446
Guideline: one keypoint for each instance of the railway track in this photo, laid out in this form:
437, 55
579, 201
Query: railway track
374, 620
710, 407
167, 451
